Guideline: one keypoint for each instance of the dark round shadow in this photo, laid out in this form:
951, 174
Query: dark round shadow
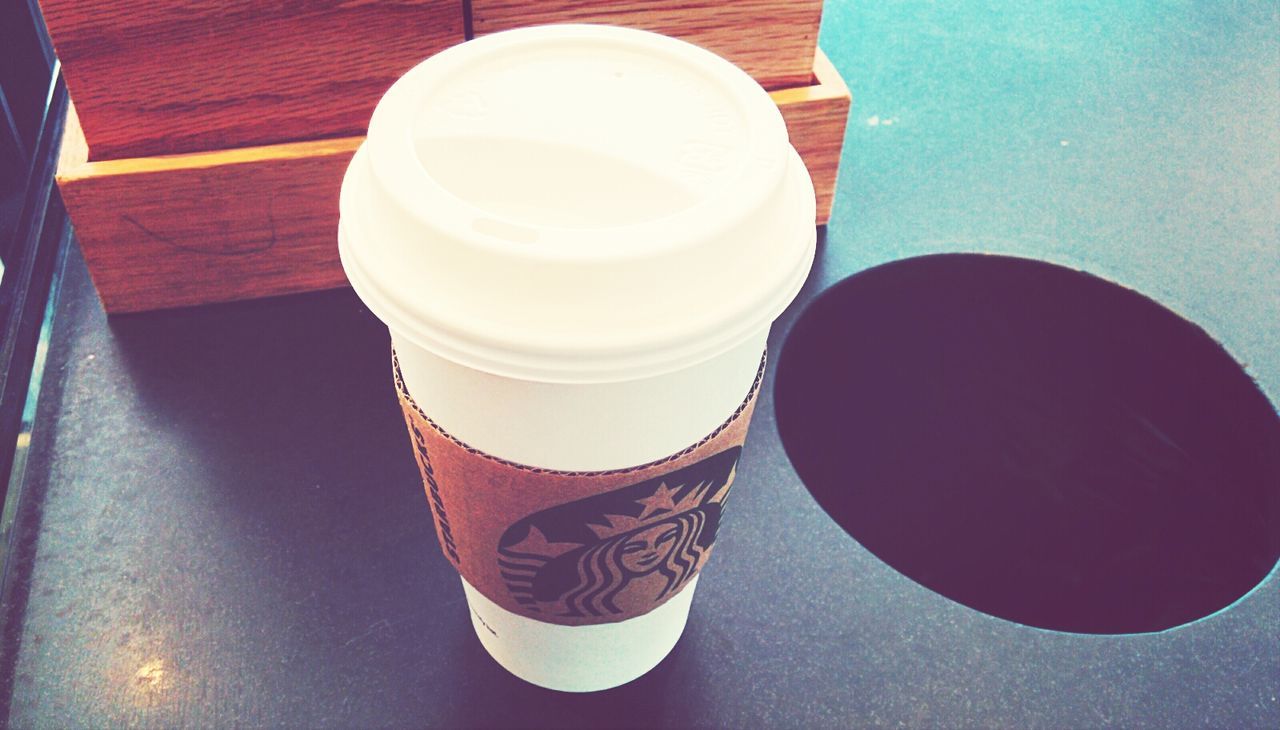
1034, 442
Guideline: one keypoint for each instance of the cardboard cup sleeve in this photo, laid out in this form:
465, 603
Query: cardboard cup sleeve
577, 547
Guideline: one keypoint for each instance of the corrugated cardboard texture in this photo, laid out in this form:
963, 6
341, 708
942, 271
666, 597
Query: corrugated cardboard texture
570, 547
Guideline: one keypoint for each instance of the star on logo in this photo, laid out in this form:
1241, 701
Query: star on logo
658, 501
536, 543
614, 525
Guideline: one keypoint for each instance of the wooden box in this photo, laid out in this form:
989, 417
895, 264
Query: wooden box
151, 78
176, 230
773, 40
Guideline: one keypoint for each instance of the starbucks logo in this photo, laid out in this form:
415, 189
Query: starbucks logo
621, 551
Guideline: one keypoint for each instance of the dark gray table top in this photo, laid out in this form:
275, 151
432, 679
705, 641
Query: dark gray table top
222, 523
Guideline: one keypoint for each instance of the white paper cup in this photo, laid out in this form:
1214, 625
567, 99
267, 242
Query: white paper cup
578, 237
587, 427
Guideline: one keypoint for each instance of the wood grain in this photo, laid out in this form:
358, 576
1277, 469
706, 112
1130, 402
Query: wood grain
816, 116
206, 227
154, 78
773, 40
209, 227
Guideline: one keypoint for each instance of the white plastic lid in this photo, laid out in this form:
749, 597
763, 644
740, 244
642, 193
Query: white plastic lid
576, 203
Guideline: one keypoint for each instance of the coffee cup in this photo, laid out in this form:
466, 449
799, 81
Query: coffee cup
578, 237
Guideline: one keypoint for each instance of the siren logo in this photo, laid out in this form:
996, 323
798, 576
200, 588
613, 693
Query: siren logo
623, 551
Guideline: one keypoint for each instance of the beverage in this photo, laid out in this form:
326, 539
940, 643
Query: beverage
578, 237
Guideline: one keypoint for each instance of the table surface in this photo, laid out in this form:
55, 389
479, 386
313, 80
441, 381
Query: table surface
222, 523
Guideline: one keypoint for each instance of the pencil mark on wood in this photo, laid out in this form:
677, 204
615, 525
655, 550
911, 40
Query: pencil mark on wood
252, 248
